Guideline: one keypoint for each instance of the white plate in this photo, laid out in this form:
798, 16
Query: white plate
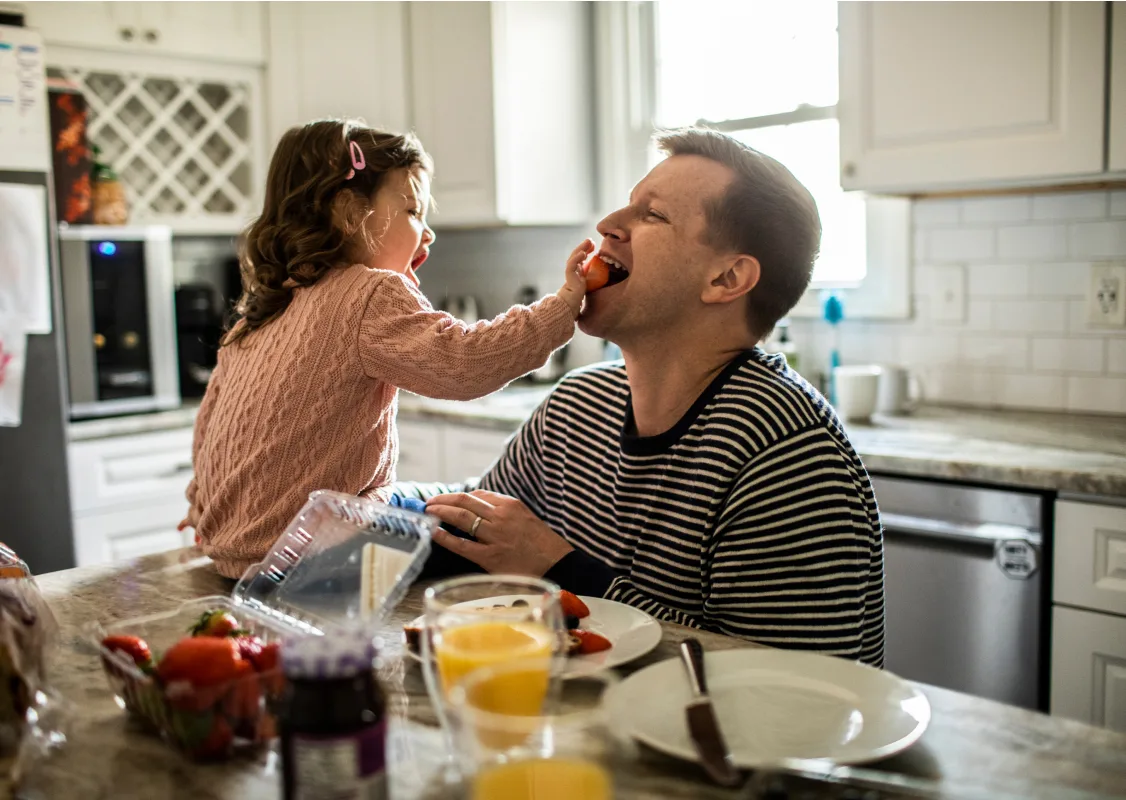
632, 634
775, 705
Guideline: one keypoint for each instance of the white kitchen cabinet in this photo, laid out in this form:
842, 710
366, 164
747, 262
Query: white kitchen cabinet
503, 101
963, 95
110, 536
471, 451
421, 455
1089, 667
336, 59
127, 471
1090, 556
1116, 144
231, 32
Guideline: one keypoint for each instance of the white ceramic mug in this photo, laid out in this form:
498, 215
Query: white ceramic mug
900, 391
857, 390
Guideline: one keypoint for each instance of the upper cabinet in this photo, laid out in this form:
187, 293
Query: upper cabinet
503, 101
231, 32
1116, 143
972, 95
337, 59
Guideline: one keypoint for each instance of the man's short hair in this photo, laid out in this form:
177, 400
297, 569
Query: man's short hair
766, 212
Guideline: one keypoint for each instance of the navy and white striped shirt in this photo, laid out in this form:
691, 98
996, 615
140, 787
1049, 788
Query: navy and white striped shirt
753, 516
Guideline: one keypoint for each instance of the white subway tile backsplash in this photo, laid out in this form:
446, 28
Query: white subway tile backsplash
996, 209
1032, 242
1069, 206
1118, 203
961, 244
1100, 395
1023, 341
1030, 316
1067, 279
1030, 391
928, 213
1068, 355
1116, 356
1098, 239
998, 280
1004, 352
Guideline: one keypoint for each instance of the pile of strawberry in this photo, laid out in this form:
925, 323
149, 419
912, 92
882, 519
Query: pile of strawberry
206, 689
579, 642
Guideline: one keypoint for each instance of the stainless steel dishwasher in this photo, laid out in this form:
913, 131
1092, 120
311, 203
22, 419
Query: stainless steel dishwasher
964, 572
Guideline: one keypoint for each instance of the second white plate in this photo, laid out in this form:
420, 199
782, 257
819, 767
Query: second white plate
632, 634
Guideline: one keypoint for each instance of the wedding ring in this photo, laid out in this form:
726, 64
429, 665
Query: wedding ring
476, 525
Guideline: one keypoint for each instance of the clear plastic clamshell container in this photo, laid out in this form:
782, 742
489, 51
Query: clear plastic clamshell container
343, 563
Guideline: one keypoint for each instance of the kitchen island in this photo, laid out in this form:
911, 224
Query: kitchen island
997, 751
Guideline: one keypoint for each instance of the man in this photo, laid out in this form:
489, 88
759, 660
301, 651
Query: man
701, 480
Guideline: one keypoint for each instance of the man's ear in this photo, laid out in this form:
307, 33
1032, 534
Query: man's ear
734, 277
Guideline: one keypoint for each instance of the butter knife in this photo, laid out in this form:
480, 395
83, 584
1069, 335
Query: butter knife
703, 726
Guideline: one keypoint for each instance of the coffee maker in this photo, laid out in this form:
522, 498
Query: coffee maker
199, 326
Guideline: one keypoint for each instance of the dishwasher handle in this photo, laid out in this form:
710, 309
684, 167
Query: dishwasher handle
984, 533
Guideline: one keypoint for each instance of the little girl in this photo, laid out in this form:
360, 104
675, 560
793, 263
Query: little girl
333, 325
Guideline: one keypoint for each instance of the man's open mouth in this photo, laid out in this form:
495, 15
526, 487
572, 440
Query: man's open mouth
618, 272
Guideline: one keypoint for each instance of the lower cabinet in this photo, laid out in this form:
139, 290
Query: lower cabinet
439, 451
130, 532
1089, 667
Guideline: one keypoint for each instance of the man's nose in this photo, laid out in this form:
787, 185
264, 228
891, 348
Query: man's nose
613, 226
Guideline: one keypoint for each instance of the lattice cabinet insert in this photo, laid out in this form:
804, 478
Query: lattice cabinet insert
182, 146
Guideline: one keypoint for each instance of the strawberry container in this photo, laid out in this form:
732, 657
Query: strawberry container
342, 564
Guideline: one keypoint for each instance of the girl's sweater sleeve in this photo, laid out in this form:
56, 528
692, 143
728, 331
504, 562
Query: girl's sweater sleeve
405, 342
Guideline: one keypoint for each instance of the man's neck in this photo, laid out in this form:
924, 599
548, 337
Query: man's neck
665, 382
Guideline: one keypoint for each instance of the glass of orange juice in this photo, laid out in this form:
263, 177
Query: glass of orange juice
562, 753
480, 620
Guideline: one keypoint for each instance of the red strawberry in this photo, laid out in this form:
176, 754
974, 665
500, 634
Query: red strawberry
196, 671
572, 606
216, 623
134, 647
590, 642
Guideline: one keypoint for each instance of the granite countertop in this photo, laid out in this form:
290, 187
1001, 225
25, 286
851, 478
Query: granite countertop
996, 751
1071, 453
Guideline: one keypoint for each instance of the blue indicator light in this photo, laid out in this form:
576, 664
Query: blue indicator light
107, 248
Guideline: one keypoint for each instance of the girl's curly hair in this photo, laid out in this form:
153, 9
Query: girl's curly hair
314, 211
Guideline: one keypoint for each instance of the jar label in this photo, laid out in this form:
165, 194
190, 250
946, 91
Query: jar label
349, 767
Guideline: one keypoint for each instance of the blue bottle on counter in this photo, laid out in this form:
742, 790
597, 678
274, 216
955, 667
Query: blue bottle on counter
332, 720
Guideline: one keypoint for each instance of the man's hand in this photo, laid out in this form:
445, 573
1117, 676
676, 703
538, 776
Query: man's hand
510, 538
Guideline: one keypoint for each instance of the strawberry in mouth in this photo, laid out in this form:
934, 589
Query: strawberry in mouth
604, 270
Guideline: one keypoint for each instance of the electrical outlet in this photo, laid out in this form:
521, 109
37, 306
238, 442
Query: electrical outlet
948, 293
1106, 295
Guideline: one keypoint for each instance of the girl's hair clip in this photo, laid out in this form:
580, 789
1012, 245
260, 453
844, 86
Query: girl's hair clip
358, 161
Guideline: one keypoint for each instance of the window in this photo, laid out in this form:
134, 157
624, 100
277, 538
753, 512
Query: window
765, 73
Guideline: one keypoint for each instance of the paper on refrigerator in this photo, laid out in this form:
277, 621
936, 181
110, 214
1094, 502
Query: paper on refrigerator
13, 358
25, 284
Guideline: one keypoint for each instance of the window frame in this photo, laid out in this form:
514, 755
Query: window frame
625, 97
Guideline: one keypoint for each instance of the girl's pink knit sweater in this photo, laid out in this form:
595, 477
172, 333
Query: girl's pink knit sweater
308, 401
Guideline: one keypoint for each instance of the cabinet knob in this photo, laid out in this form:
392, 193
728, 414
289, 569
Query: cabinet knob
152, 36
849, 170
126, 34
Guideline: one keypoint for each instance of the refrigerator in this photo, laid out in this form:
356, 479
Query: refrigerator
35, 516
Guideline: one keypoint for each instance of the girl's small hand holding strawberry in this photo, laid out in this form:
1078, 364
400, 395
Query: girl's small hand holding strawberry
574, 289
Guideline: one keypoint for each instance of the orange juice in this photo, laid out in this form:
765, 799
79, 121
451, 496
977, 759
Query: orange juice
543, 779
460, 650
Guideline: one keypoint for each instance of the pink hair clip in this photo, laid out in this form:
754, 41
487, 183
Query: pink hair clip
357, 159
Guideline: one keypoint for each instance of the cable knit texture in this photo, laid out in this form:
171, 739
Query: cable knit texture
308, 401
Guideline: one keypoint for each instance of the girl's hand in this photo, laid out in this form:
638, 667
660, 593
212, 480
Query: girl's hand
574, 289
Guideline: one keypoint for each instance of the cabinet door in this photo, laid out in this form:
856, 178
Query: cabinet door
1116, 152
471, 451
213, 31
124, 471
365, 76
102, 25
421, 455
943, 95
1089, 667
1090, 556
452, 74
111, 536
